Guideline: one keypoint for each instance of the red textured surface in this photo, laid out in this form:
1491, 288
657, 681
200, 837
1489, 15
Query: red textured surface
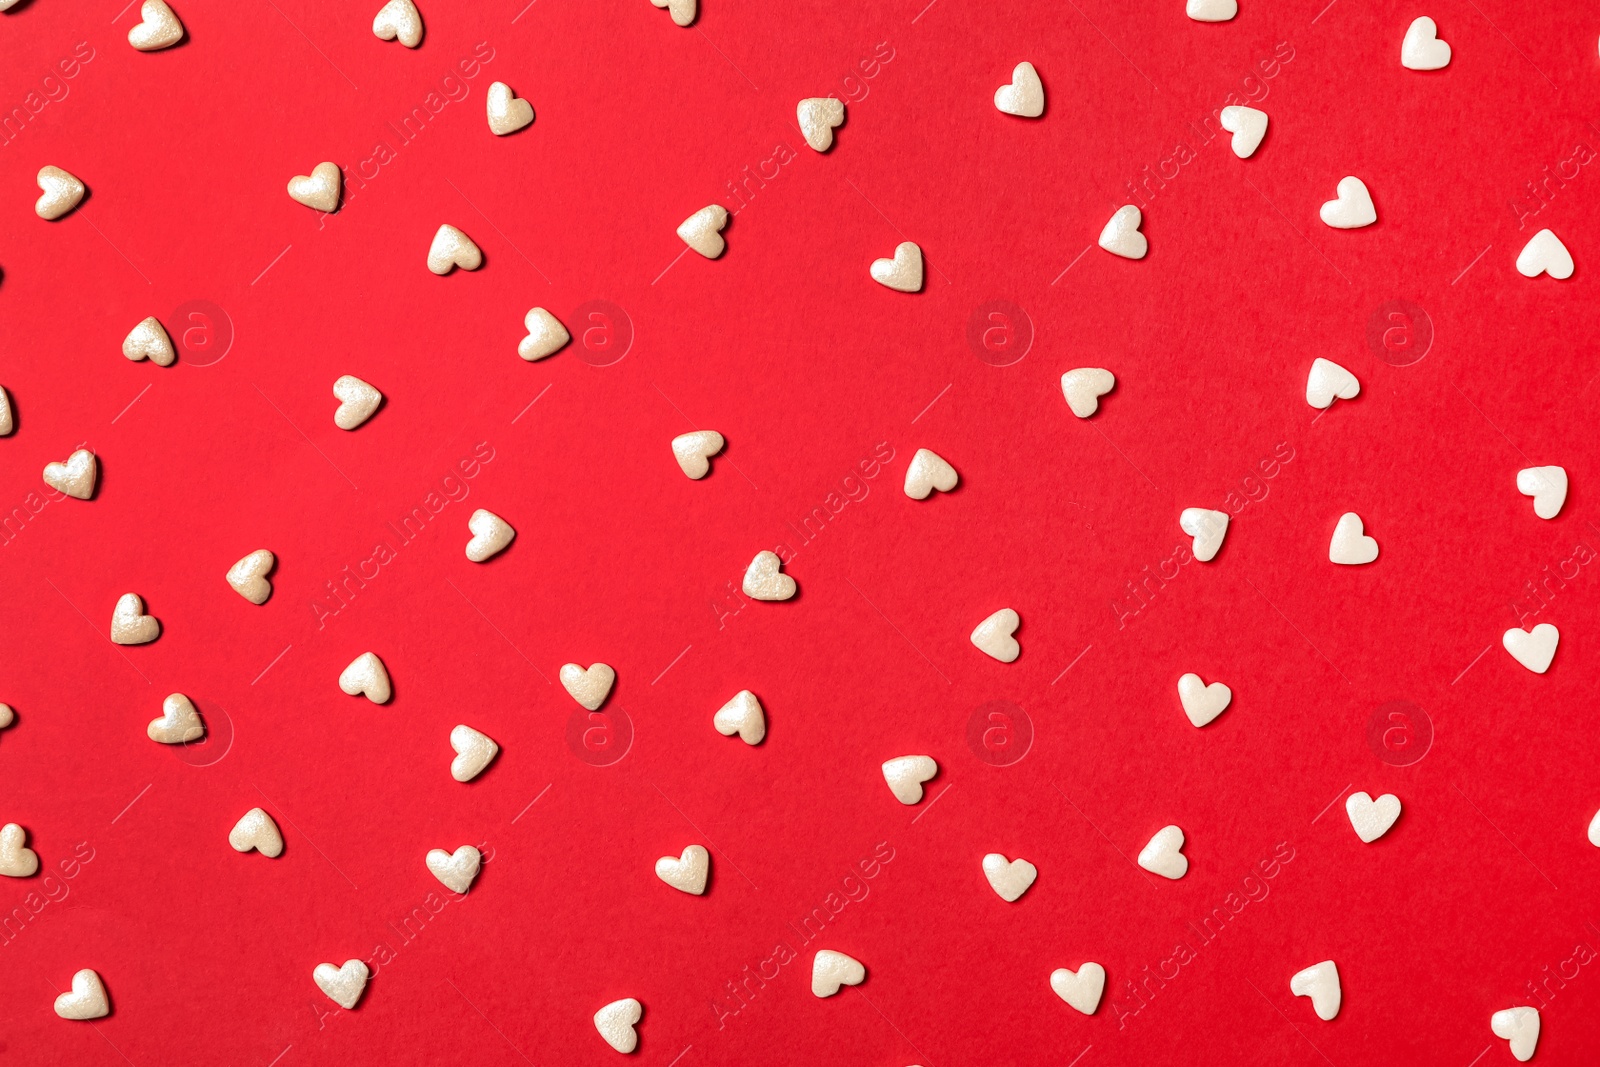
824, 385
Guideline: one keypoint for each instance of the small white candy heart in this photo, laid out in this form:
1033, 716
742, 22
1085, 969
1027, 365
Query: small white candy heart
343, 985
455, 870
87, 999
1594, 826
693, 451
1202, 702
367, 676
507, 113
1545, 254
158, 29
546, 335
588, 687
1329, 381
8, 420
256, 830
357, 402
616, 1021
1009, 879
1084, 386
1321, 984
764, 579
1248, 126
474, 751
993, 636
490, 535
819, 116
17, 860
179, 722
318, 190
62, 193
130, 625
1422, 49
248, 577
452, 248
702, 231
903, 273
1520, 1027
1024, 96
1371, 818
1353, 208
75, 477
149, 340
1121, 237
1207, 527
7, 716
1533, 649
1211, 10
682, 11
905, 775
927, 472
743, 715
1081, 989
1164, 854
830, 970
399, 18
1547, 486
1350, 545
687, 872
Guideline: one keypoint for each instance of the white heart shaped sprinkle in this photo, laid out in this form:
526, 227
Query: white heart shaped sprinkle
318, 190
1544, 254
159, 28
130, 625
546, 335
343, 985
87, 1000
256, 830
616, 1022
1594, 826
1547, 486
1533, 649
1248, 126
927, 472
75, 477
399, 18
507, 113
452, 248
1211, 10
8, 420
357, 402
1370, 818
1164, 854
819, 116
149, 340
474, 751
1121, 236
455, 870
1207, 527
993, 636
682, 11
248, 577
765, 580
1350, 545
17, 860
1202, 702
588, 687
1008, 878
1024, 97
179, 723
367, 676
1081, 989
1520, 1027
693, 451
903, 273
7, 716
62, 193
830, 970
742, 715
1084, 386
702, 231
1329, 381
1353, 208
1422, 49
490, 535
687, 872
1321, 984
905, 775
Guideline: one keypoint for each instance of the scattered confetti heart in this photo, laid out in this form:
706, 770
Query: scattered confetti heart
249, 576
319, 190
490, 535
62, 193
993, 636
1081, 989
7, 716
702, 231
819, 116
905, 775
158, 29
830, 970
1248, 126
1329, 381
256, 830
75, 477
130, 625
687, 872
927, 472
1211, 10
693, 451
357, 402
366, 676
179, 722
1519, 1027
507, 113
1353, 209
1533, 649
474, 751
343, 985
682, 11
1024, 97
456, 870
1084, 386
546, 336
1372, 818
87, 1000
17, 860
1321, 984
1545, 254
1547, 486
1164, 854
616, 1021
1594, 828
743, 715
8, 421
1422, 49
1202, 702
1350, 545
1207, 527
764, 579
452, 248
149, 340
399, 18
588, 687
1121, 237
903, 273
1008, 878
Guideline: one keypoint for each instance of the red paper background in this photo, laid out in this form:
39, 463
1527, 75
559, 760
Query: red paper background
809, 369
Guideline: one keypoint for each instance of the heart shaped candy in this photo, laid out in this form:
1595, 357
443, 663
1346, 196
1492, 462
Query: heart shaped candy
158, 28
179, 723
1024, 97
589, 687
507, 113
248, 577
903, 273
819, 116
693, 451
256, 830
687, 872
399, 18
452, 248
62, 193
490, 535
765, 580
318, 190
130, 625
